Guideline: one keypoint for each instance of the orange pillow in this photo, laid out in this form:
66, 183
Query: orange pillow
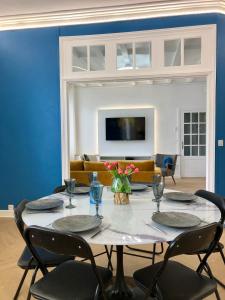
76, 165
144, 165
94, 166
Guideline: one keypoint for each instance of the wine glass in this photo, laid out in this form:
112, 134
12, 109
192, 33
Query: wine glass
70, 186
158, 188
96, 193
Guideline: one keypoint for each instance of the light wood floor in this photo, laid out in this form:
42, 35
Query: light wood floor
11, 245
186, 184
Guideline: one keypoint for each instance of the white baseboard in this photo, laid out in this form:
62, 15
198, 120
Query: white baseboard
6, 213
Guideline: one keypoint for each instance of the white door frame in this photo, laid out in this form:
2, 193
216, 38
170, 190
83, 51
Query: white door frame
65, 86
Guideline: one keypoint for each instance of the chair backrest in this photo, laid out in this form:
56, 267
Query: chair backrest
216, 199
190, 242
159, 158
18, 210
62, 188
62, 243
58, 242
59, 189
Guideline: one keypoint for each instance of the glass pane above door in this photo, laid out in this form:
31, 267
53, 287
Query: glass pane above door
142, 55
79, 59
192, 51
172, 53
97, 58
124, 56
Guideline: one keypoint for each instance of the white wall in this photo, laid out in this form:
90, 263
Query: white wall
126, 148
167, 100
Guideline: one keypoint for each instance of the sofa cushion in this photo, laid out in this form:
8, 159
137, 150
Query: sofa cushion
94, 166
144, 176
76, 165
145, 165
105, 177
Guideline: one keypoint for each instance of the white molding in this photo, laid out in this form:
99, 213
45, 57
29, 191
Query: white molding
160, 8
6, 213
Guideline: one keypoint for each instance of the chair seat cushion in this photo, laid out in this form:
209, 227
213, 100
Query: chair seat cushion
49, 259
177, 282
69, 281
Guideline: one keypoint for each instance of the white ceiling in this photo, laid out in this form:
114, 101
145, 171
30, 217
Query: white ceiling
19, 7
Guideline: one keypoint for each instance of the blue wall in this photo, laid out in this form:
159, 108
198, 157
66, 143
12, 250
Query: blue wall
30, 150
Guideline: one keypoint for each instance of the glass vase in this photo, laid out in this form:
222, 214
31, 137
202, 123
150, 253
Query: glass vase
121, 189
121, 184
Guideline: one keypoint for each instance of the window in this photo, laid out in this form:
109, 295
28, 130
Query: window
192, 51
194, 138
172, 53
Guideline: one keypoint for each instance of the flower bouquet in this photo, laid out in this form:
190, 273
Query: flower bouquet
121, 184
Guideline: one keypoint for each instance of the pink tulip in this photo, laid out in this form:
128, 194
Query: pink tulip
136, 170
106, 163
126, 172
120, 171
132, 166
109, 167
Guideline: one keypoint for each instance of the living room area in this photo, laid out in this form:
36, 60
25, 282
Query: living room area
134, 120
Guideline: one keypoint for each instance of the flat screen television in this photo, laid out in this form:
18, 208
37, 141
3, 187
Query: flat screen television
125, 129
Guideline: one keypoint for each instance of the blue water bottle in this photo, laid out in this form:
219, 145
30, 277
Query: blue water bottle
94, 182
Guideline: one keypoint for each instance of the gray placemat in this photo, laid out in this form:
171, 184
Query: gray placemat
138, 187
76, 223
44, 204
176, 219
81, 190
179, 196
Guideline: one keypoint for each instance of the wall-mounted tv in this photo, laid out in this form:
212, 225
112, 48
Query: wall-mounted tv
125, 129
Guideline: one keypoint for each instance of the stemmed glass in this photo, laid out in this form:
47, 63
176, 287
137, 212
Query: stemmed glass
158, 188
70, 186
96, 193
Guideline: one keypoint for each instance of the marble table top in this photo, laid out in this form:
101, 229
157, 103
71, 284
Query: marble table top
126, 224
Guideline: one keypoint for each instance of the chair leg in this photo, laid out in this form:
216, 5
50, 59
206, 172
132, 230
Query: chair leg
32, 281
209, 272
153, 253
173, 179
109, 258
20, 284
217, 295
221, 253
146, 251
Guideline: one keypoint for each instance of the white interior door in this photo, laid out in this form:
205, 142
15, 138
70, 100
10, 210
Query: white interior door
193, 143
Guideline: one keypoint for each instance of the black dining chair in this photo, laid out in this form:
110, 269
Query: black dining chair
219, 201
62, 188
171, 280
26, 260
72, 279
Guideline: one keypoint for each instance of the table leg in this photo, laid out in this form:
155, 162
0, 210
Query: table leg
120, 290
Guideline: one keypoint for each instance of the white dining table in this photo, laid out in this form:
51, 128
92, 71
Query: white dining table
125, 224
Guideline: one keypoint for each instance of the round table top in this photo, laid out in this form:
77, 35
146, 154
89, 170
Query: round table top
126, 224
